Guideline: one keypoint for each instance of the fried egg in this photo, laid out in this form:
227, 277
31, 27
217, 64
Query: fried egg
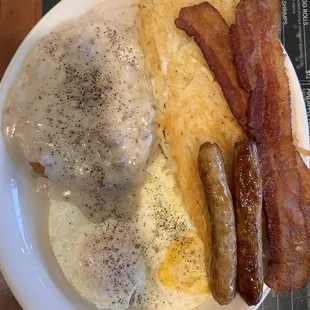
80, 119
154, 260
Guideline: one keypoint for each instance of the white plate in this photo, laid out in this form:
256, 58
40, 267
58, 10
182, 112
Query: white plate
26, 257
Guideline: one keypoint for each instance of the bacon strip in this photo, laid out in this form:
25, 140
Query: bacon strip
244, 49
212, 35
260, 64
289, 256
304, 184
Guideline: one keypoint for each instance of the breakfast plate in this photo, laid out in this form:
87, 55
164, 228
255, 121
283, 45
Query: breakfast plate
27, 259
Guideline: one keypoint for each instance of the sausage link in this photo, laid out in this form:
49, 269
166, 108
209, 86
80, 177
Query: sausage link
223, 232
248, 210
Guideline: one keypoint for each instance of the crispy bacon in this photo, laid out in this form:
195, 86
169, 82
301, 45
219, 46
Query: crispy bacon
212, 35
289, 256
304, 184
244, 49
260, 63
266, 117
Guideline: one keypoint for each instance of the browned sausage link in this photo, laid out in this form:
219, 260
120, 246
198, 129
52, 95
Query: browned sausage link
248, 206
219, 201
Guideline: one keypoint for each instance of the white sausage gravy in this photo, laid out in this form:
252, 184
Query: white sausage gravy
82, 109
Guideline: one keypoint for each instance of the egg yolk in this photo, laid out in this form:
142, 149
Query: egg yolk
183, 267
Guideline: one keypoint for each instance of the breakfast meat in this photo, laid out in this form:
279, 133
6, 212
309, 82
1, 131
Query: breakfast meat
304, 191
248, 211
289, 253
223, 233
270, 118
245, 69
212, 34
260, 64
262, 74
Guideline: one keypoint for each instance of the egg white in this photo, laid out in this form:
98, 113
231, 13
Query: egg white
160, 219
